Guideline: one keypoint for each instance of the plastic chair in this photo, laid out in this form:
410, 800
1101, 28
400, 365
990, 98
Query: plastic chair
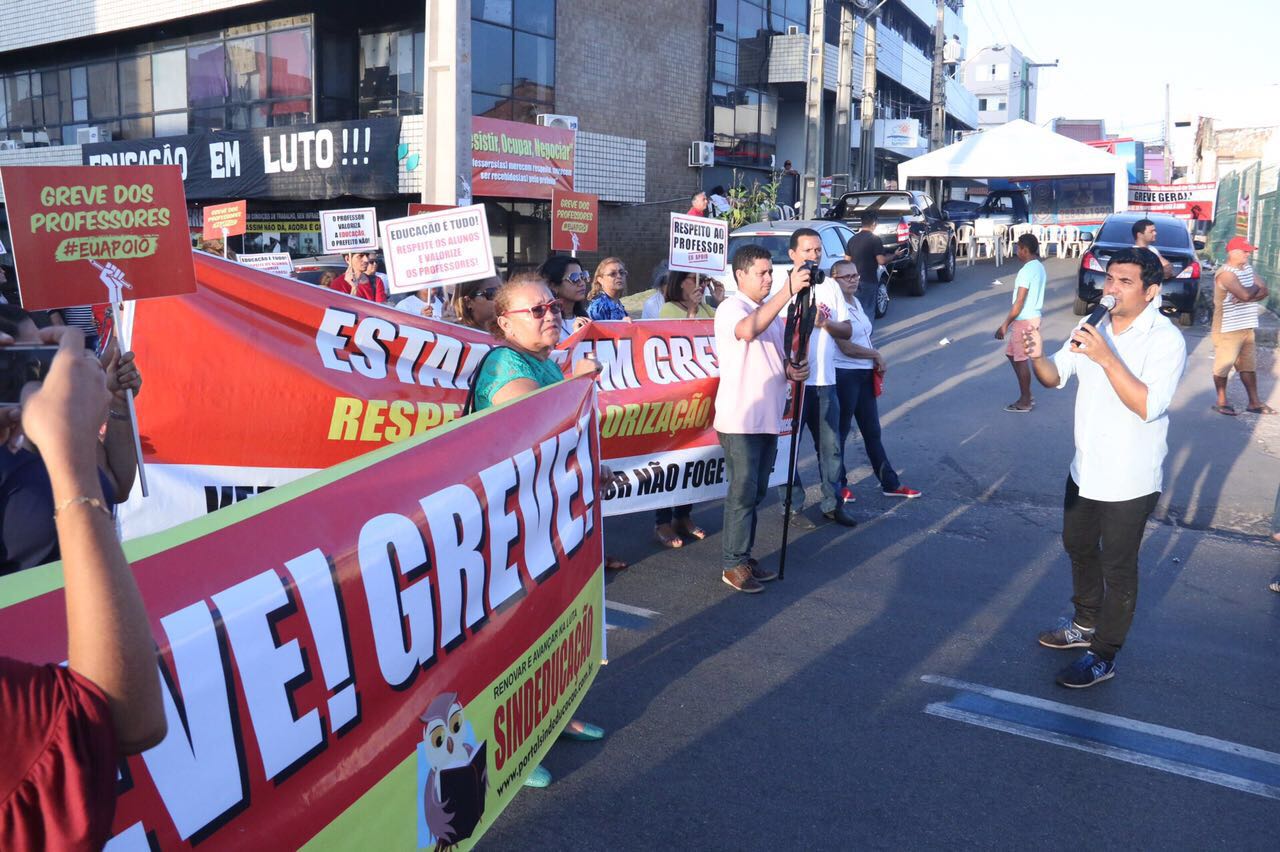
1070, 237
1052, 237
984, 232
964, 241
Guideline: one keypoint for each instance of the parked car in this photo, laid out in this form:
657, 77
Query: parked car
917, 236
1177, 296
960, 211
1002, 206
311, 269
774, 237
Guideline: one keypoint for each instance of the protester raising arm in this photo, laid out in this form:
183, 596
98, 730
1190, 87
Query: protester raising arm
755, 323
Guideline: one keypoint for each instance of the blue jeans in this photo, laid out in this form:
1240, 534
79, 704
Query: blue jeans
748, 461
857, 395
822, 417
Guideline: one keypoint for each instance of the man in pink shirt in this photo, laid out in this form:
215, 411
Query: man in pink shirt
750, 402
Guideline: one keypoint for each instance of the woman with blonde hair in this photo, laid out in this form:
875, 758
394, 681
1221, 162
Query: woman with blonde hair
604, 300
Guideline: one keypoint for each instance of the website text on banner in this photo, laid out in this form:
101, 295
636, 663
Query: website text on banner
434, 249
510, 159
80, 231
320, 645
224, 220
1191, 201
575, 218
698, 244
344, 231
276, 262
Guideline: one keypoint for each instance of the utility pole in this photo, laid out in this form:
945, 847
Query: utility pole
938, 93
446, 103
844, 101
867, 137
1168, 131
813, 109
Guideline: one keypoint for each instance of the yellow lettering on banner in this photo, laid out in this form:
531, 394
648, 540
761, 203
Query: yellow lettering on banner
346, 418
373, 418
378, 420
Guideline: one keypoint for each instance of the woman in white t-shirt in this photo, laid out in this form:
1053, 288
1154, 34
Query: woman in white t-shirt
858, 366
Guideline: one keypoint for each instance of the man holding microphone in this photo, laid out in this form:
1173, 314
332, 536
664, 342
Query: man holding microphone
1128, 365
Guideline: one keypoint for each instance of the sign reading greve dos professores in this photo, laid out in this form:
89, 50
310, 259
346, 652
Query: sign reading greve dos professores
68, 222
698, 244
224, 220
574, 221
436, 249
510, 159
343, 231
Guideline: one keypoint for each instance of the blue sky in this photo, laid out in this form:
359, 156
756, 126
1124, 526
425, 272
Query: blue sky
1221, 58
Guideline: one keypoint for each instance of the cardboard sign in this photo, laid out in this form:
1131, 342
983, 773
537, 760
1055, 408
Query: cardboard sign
344, 231
510, 159
575, 218
434, 249
698, 244
79, 231
224, 220
279, 262
1191, 201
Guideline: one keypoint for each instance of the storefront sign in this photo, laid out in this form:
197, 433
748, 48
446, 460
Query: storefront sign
510, 159
434, 249
276, 261
1191, 201
78, 232
574, 221
698, 244
344, 231
312, 161
224, 220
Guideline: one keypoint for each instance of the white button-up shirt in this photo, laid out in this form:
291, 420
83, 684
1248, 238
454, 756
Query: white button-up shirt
1119, 455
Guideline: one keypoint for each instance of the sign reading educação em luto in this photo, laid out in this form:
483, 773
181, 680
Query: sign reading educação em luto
68, 223
354, 229
698, 244
434, 249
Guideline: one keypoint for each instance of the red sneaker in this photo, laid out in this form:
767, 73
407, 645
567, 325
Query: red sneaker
846, 494
902, 491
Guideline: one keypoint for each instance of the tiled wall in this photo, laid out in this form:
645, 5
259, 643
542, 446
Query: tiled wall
27, 23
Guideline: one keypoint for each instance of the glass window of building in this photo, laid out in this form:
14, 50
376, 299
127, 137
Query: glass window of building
743, 115
391, 73
513, 42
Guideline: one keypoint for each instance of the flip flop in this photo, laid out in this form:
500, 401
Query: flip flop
668, 537
690, 529
1013, 409
613, 563
1261, 409
1274, 585
588, 733
1225, 409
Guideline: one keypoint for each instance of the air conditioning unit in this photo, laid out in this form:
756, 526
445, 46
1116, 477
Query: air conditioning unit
10, 144
92, 135
565, 122
793, 29
702, 154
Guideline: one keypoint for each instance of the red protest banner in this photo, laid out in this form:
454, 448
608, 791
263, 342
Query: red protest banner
416, 207
1191, 201
574, 221
311, 660
515, 160
79, 230
224, 220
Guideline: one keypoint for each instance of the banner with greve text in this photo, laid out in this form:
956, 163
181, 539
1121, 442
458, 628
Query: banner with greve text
253, 381
375, 656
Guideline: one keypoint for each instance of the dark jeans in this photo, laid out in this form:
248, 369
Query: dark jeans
1102, 540
666, 515
748, 460
855, 390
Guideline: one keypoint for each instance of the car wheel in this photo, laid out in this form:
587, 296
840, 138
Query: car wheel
919, 282
1186, 319
948, 270
882, 300
1080, 308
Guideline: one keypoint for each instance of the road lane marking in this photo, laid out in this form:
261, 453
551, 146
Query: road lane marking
627, 617
1215, 761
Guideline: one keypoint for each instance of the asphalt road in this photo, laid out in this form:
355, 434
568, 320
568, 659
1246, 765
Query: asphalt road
890, 693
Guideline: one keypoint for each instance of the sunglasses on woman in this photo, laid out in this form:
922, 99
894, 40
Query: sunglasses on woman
489, 294
539, 311
577, 277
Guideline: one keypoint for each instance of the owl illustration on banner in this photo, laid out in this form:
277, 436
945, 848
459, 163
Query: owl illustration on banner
453, 796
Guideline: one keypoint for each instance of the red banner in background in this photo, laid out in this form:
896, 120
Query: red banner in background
510, 159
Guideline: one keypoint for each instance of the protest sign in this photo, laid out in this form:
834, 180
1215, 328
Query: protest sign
434, 249
698, 244
574, 221
79, 231
224, 220
314, 643
361, 375
1191, 201
343, 231
278, 262
416, 207
511, 159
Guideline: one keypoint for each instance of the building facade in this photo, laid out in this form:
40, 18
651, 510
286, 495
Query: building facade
1004, 82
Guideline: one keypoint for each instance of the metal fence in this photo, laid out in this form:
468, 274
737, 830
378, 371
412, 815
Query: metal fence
1248, 205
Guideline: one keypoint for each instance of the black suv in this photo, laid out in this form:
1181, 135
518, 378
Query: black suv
917, 235
1173, 241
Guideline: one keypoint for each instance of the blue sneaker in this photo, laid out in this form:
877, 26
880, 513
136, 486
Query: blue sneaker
1067, 634
1086, 671
540, 777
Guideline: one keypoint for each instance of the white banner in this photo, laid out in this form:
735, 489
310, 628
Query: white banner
354, 229
278, 262
698, 244
438, 248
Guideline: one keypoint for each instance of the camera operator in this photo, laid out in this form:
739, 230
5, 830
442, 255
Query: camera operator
65, 729
750, 401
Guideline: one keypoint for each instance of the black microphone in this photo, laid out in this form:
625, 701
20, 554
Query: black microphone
1103, 308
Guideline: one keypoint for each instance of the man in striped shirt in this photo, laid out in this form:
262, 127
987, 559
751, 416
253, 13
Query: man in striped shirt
1237, 291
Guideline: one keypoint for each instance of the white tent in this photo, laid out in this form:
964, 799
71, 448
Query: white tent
1018, 151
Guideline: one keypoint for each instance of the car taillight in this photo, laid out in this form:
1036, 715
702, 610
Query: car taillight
1192, 270
904, 231
1091, 263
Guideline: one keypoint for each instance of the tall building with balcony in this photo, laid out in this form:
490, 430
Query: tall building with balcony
1004, 81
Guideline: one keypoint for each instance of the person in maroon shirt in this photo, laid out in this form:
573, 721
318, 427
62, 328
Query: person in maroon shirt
361, 279
65, 729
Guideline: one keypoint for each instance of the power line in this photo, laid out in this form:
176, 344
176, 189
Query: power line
1018, 23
